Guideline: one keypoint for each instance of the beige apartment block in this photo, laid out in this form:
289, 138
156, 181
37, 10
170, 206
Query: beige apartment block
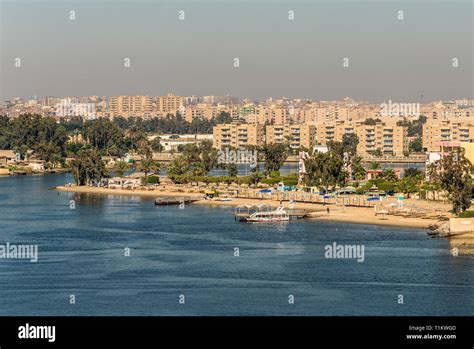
127, 106
389, 138
438, 133
271, 115
298, 135
238, 136
169, 104
332, 131
208, 112
446, 114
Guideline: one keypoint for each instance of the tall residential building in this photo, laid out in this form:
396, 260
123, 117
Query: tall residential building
126, 106
238, 136
205, 111
300, 135
442, 133
389, 138
169, 104
332, 131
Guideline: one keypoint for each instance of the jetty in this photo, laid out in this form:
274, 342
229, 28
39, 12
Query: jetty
175, 200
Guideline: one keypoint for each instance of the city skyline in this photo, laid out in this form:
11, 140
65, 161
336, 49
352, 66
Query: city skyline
301, 57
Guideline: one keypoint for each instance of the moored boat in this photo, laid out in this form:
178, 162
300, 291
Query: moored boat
279, 215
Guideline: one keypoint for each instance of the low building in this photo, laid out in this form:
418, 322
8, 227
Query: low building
171, 142
7, 157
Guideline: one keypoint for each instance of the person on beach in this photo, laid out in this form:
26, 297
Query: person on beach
327, 210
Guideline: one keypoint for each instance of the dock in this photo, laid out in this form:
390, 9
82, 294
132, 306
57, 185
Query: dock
174, 200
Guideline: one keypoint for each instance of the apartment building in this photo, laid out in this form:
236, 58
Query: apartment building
169, 104
332, 131
126, 106
207, 112
441, 133
389, 138
298, 135
238, 136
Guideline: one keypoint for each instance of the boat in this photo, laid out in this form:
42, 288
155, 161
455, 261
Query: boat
279, 215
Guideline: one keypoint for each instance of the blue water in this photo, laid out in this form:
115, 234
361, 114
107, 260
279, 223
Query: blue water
191, 252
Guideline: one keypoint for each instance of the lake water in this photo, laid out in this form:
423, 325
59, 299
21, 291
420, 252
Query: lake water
190, 252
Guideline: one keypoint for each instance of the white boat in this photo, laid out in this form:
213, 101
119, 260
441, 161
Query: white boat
279, 215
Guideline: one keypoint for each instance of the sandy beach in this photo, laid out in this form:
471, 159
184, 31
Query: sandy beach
361, 215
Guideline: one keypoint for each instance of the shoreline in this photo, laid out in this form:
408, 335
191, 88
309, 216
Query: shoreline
356, 215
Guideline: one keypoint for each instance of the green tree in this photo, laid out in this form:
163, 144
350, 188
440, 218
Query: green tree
88, 168
416, 146
455, 178
377, 152
358, 171
120, 168
232, 170
105, 136
349, 143
415, 173
178, 167
324, 170
389, 175
155, 144
408, 185
275, 156
255, 177
147, 163
374, 165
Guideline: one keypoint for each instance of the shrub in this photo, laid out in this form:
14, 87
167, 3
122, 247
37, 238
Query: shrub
275, 174
467, 214
270, 181
290, 182
152, 180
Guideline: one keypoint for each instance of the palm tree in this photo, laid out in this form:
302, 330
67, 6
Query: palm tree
408, 185
374, 165
358, 171
120, 168
389, 175
137, 138
148, 165
88, 167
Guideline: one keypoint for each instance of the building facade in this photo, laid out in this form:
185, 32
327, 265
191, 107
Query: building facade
126, 106
238, 136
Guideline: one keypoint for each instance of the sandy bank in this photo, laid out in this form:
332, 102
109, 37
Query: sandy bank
358, 215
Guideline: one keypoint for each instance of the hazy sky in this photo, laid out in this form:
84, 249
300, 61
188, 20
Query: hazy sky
388, 58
